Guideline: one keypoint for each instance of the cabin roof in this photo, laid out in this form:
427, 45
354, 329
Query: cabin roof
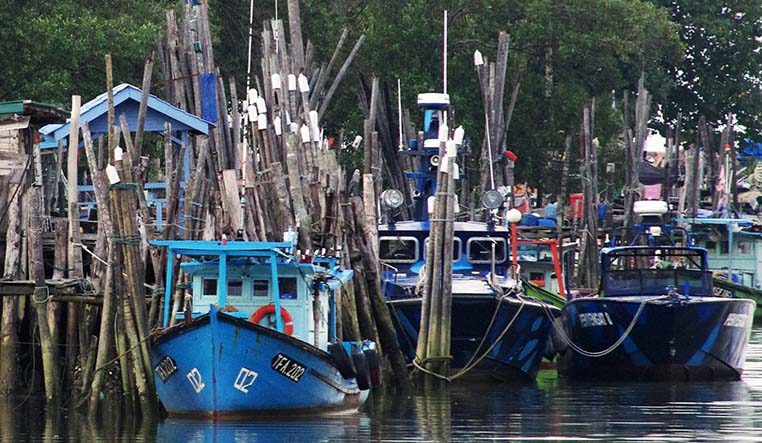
39, 113
195, 248
127, 102
640, 249
407, 227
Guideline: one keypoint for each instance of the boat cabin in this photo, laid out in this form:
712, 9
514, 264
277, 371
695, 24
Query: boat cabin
262, 282
644, 270
476, 247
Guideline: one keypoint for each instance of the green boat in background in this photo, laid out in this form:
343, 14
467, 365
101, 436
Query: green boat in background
723, 286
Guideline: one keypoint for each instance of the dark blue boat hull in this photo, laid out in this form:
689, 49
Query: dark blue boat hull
699, 338
519, 333
220, 366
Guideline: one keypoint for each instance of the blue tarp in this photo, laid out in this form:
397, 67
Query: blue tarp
209, 97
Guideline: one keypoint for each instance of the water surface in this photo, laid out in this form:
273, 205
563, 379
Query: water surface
551, 410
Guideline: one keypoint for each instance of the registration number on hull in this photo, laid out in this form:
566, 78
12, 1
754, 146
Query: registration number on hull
288, 367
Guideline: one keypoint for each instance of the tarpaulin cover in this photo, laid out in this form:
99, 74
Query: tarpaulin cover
209, 97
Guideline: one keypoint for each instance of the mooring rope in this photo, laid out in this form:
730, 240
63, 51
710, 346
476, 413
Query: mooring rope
505, 330
474, 360
622, 338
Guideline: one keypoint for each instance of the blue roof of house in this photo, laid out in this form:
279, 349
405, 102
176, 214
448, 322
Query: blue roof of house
127, 102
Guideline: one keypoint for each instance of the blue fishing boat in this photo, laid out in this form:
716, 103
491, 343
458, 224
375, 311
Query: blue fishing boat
656, 316
257, 335
499, 323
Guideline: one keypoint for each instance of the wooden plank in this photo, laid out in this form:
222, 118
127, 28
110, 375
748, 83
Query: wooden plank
232, 198
75, 253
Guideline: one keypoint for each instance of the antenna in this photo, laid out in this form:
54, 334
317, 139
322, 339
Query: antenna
489, 151
251, 33
399, 111
444, 58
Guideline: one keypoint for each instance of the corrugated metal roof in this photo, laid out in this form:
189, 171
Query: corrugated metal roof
39, 112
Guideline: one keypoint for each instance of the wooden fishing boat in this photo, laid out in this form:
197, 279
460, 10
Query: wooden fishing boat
500, 323
257, 335
657, 316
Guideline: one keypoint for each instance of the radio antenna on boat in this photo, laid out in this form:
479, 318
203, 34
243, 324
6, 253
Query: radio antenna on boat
251, 33
399, 112
444, 58
489, 151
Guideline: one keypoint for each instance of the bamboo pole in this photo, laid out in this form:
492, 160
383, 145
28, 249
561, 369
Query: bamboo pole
295, 29
148, 232
41, 296
8, 317
75, 253
387, 337
340, 76
142, 110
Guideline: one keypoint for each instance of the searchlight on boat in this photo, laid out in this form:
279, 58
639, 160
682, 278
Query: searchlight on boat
492, 199
392, 199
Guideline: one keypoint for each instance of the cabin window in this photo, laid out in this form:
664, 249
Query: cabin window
235, 288
210, 286
457, 246
261, 288
398, 249
479, 249
287, 288
710, 246
723, 247
744, 247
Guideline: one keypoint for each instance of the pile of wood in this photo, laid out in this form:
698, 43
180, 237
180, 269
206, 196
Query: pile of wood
275, 158
264, 169
433, 350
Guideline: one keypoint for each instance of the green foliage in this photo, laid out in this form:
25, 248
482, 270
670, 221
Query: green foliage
720, 71
700, 57
55, 49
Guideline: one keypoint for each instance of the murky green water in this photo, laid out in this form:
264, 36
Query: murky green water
551, 410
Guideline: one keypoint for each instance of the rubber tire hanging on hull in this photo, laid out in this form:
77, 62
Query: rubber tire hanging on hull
361, 366
374, 367
342, 360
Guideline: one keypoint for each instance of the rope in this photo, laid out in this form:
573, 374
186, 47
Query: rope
130, 240
426, 371
622, 338
474, 360
123, 185
41, 290
505, 330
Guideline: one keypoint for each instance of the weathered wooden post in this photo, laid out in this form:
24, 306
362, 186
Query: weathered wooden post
8, 319
41, 294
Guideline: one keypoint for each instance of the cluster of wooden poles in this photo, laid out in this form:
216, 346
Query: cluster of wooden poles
273, 157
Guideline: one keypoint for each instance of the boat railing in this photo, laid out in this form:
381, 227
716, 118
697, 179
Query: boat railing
657, 281
388, 274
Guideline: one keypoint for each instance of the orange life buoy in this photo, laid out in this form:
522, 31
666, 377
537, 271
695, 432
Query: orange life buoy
288, 322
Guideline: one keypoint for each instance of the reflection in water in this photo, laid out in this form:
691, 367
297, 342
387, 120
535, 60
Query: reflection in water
550, 410
277, 430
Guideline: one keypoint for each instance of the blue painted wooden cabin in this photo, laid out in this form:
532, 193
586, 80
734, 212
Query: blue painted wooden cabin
127, 102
